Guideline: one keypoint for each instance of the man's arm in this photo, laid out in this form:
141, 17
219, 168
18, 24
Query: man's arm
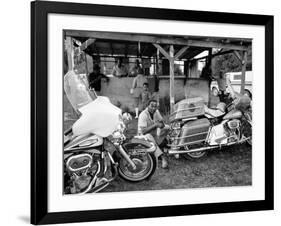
142, 125
230, 88
152, 127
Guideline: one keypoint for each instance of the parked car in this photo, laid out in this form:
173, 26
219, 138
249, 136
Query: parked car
235, 79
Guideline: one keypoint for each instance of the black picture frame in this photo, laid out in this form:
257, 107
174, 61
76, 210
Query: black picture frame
39, 112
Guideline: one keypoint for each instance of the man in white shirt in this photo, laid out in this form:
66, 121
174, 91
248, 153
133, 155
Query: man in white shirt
119, 69
149, 121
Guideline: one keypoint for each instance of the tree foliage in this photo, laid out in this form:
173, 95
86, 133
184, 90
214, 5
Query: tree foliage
229, 63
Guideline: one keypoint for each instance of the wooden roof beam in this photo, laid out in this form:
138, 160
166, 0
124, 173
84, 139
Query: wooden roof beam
87, 43
153, 39
181, 52
167, 55
238, 56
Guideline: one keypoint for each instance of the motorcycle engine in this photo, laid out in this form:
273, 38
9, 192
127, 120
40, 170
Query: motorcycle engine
79, 162
81, 168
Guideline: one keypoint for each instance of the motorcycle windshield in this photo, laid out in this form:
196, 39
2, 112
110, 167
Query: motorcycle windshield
99, 117
76, 90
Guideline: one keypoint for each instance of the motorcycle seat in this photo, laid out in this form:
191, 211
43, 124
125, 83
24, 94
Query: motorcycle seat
214, 112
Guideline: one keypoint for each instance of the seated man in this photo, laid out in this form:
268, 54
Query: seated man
149, 121
119, 70
241, 101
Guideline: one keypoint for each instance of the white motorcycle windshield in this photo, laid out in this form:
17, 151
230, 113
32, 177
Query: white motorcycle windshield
99, 117
76, 90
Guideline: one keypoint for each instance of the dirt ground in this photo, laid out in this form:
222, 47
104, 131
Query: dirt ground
222, 168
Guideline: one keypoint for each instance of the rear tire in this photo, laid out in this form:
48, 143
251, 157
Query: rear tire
194, 155
146, 166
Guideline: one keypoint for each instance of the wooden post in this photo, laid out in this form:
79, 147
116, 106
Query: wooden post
70, 53
244, 64
172, 79
157, 62
209, 61
86, 64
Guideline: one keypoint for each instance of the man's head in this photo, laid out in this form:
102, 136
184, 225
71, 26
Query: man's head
152, 106
145, 86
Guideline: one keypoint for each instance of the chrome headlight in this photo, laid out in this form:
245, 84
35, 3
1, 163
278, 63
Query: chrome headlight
116, 134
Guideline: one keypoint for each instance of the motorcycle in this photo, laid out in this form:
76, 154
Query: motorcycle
196, 129
96, 150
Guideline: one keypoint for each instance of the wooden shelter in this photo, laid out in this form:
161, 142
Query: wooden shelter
152, 46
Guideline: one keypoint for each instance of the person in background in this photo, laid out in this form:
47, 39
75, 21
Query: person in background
149, 121
155, 94
135, 68
207, 74
95, 78
119, 69
145, 96
222, 86
136, 89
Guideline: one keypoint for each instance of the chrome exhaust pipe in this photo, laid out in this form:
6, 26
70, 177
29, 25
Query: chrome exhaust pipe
177, 151
174, 151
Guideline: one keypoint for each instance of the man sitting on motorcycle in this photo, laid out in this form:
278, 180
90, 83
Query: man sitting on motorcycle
149, 121
241, 101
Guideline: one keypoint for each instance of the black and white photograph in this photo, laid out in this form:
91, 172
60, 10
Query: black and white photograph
140, 112
146, 111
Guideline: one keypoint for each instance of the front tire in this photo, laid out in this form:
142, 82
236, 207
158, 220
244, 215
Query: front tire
146, 165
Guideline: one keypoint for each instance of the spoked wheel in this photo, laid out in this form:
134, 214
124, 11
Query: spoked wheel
145, 167
193, 155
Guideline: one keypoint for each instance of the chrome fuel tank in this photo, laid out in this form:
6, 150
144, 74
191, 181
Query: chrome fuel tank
84, 141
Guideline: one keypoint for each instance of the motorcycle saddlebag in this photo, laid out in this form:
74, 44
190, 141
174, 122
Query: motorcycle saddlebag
188, 108
194, 132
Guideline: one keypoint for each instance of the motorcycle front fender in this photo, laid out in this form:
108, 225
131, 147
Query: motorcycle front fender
140, 145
